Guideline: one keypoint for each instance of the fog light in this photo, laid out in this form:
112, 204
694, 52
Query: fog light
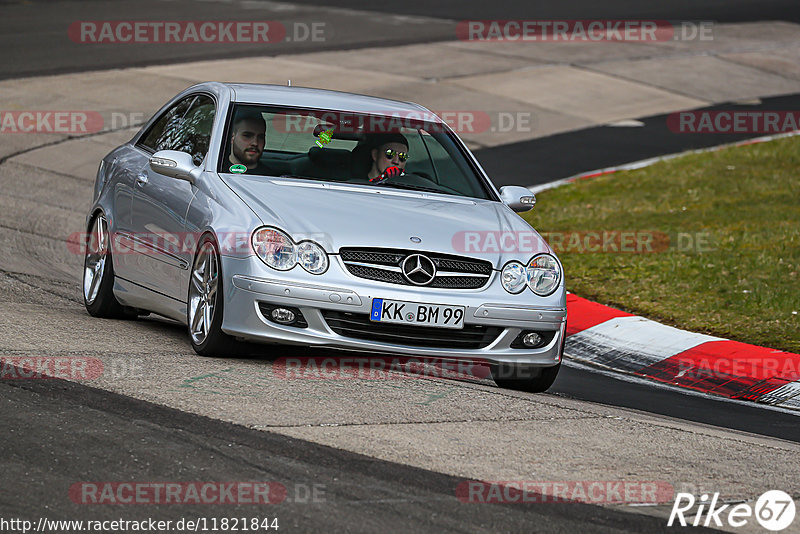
531, 339
283, 316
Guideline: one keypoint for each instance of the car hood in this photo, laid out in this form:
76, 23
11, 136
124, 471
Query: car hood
346, 215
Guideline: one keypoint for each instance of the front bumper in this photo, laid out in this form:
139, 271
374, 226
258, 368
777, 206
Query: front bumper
248, 282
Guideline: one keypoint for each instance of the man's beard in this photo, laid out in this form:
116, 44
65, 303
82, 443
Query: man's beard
248, 158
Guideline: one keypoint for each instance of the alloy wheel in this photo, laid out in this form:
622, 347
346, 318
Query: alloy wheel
95, 261
203, 292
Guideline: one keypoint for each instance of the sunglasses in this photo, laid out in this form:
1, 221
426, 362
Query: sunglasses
402, 156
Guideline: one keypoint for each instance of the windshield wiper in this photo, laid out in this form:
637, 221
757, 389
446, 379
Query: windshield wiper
413, 187
408, 187
302, 177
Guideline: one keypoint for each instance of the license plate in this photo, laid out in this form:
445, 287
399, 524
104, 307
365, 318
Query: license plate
417, 314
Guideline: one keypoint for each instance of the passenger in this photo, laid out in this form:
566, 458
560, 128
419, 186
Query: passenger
248, 137
388, 158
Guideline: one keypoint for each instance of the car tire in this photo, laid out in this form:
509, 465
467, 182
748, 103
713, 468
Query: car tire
533, 379
98, 274
204, 305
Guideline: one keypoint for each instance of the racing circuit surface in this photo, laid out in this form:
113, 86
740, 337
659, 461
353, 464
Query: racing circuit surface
382, 455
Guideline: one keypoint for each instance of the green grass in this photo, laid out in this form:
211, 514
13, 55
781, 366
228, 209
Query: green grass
744, 201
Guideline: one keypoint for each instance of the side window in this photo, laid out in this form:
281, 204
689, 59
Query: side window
186, 127
195, 132
160, 136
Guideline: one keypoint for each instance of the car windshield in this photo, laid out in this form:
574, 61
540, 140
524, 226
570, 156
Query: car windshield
397, 150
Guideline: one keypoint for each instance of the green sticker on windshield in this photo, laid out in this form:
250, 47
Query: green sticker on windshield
238, 168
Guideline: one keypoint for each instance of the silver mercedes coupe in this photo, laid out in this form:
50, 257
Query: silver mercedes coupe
318, 218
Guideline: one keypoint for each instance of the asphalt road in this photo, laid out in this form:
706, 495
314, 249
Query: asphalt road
61, 433
716, 10
563, 155
35, 36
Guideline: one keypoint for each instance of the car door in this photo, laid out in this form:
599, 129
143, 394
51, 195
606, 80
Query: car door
160, 203
120, 171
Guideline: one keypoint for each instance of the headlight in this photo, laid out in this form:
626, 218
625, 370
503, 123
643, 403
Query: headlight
275, 248
544, 273
514, 277
311, 257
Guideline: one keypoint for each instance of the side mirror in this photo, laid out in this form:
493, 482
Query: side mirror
517, 198
174, 164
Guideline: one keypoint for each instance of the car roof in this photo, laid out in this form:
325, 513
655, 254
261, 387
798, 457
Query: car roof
306, 97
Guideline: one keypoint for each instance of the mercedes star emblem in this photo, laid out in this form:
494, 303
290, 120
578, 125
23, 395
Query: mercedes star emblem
418, 269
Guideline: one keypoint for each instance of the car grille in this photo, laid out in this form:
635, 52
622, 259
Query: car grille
358, 325
383, 265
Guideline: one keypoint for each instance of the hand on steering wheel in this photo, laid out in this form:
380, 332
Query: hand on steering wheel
390, 172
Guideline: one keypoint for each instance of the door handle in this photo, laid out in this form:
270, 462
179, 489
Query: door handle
141, 179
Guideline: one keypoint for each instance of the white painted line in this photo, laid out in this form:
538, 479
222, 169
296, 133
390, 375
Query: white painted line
626, 123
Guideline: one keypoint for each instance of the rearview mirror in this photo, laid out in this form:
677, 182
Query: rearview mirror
517, 198
174, 164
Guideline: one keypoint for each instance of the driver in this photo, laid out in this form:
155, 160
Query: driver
388, 158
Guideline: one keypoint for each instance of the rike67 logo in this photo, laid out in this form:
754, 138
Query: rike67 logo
774, 510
